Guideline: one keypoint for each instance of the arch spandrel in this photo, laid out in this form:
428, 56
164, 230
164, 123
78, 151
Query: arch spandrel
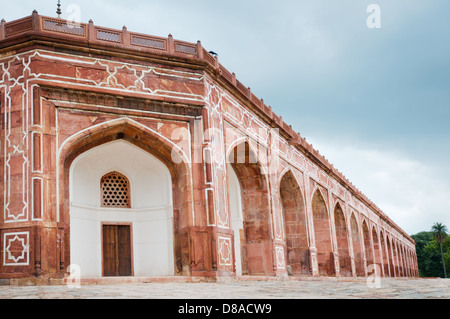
136, 132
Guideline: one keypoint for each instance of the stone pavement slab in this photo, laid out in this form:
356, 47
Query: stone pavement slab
287, 289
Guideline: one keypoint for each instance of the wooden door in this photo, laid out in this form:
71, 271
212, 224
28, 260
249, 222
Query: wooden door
116, 250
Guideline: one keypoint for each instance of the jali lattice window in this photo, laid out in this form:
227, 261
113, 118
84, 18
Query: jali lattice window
115, 189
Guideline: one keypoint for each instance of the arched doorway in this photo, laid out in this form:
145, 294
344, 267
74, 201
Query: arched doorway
152, 144
255, 244
297, 250
322, 232
345, 264
121, 212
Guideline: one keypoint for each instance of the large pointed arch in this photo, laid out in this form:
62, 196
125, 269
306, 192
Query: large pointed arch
150, 141
294, 213
411, 263
384, 254
367, 244
377, 250
396, 258
400, 259
357, 247
405, 261
256, 240
345, 264
322, 232
390, 256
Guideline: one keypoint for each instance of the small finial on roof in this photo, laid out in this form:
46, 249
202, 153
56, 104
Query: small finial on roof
58, 10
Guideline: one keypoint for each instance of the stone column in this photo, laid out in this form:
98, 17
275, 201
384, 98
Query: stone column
309, 217
334, 242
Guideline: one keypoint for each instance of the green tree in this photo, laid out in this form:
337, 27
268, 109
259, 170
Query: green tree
424, 263
429, 259
439, 232
432, 260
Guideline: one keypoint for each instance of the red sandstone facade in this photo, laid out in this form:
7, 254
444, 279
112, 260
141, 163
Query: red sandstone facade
66, 89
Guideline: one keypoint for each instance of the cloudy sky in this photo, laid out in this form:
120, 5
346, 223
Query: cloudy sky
374, 102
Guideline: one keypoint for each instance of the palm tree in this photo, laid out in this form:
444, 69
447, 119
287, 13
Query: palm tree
439, 231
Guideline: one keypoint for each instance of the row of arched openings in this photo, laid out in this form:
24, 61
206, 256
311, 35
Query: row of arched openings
370, 249
352, 240
367, 248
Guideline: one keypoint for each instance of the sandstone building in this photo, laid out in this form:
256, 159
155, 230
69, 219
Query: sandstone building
134, 155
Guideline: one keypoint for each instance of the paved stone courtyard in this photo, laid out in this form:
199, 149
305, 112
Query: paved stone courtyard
290, 289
